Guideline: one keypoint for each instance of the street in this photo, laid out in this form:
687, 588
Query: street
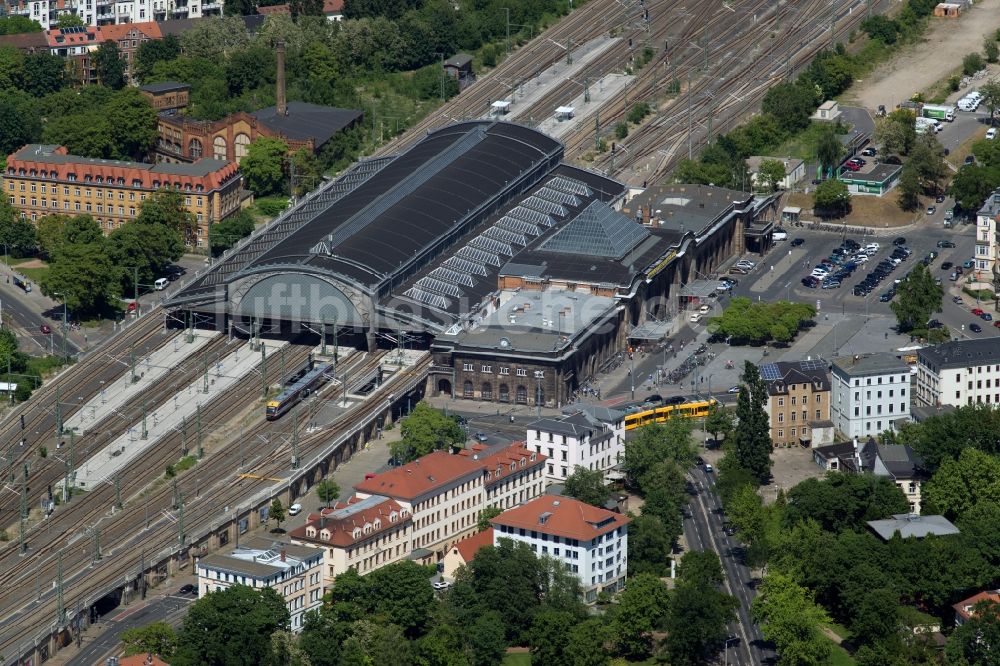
703, 530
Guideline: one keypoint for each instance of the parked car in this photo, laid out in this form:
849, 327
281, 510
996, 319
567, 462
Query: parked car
944, 243
736, 389
986, 316
46, 329
977, 311
869, 152
939, 198
831, 284
705, 309
295, 509
886, 297
991, 133
934, 323
975, 328
797, 241
931, 210
968, 263
187, 589
441, 585
899, 241
480, 437
946, 265
956, 299
970, 159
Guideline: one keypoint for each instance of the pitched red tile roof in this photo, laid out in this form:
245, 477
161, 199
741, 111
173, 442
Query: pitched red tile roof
329, 7
420, 477
341, 521
562, 516
970, 603
497, 465
120, 31
470, 545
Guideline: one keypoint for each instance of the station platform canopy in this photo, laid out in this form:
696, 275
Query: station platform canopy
500, 108
699, 289
650, 331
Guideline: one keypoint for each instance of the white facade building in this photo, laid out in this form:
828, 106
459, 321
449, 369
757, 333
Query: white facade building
295, 572
108, 12
986, 238
960, 373
591, 542
869, 394
593, 439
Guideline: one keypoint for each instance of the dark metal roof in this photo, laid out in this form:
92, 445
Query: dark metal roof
962, 354
306, 121
165, 86
418, 202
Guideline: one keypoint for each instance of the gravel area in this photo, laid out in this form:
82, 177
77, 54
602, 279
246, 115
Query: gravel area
945, 43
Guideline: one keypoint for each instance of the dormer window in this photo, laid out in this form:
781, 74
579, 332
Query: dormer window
534, 457
311, 532
325, 535
356, 532
513, 466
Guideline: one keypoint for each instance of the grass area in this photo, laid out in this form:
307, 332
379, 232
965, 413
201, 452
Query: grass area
839, 629
270, 206
43, 365
801, 145
185, 463
516, 659
956, 156
30, 267
839, 656
866, 211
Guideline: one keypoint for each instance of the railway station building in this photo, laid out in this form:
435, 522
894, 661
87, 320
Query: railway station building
521, 274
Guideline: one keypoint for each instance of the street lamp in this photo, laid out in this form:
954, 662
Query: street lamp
710, 385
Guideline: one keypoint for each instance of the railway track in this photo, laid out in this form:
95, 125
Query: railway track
146, 524
83, 381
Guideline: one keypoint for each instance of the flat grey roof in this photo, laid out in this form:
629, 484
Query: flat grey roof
165, 86
880, 174
689, 207
882, 363
699, 288
912, 525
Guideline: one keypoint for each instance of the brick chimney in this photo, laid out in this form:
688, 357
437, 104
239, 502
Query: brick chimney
283, 555
281, 107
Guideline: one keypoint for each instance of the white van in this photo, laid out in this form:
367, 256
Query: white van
991, 133
160, 284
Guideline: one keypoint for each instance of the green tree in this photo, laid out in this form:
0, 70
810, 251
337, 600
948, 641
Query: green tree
19, 121
697, 618
223, 235
44, 73
790, 104
976, 641
909, 188
230, 627
927, 160
132, 123
770, 174
829, 150
919, 297
832, 199
548, 638
720, 421
372, 642
485, 516
585, 646
587, 485
752, 440
881, 28
486, 639
143, 250
972, 63
893, 136
790, 618
701, 567
876, 617
960, 484
401, 593
306, 8
69, 21
656, 443
664, 496
16, 25
426, 429
239, 7
10, 357
158, 638
322, 635
328, 491
276, 512
649, 546
991, 93
166, 208
641, 610
621, 131
110, 66
17, 233
843, 501
264, 166
86, 277
991, 50
285, 651
249, 68
156, 50
747, 514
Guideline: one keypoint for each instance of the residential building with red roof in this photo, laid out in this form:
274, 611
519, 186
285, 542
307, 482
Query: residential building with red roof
129, 37
445, 494
966, 609
332, 9
591, 542
464, 551
360, 534
514, 474
41, 180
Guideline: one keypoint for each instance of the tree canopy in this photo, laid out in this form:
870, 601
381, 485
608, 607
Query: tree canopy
752, 441
264, 166
425, 429
746, 321
918, 298
832, 199
587, 485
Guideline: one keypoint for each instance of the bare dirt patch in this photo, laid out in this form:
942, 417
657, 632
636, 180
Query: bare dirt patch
32, 263
919, 67
866, 211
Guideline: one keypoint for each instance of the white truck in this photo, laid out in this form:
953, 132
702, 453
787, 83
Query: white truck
938, 112
923, 125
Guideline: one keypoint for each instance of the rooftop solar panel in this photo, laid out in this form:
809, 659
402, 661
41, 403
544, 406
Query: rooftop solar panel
769, 372
813, 364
